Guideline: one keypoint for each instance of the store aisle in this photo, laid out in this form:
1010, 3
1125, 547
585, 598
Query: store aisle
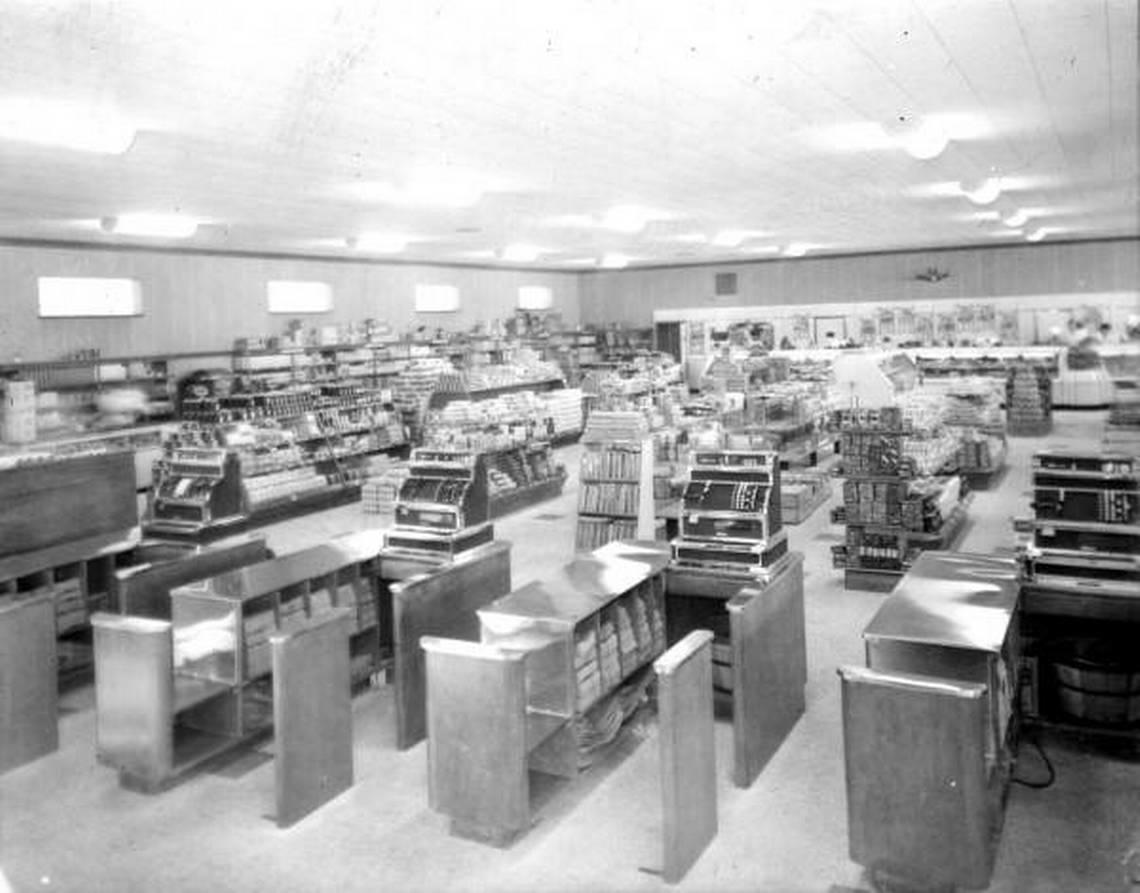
66, 825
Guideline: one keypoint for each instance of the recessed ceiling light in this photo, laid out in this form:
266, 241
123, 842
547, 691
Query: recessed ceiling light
796, 249
1016, 218
982, 192
80, 127
161, 226
519, 253
614, 261
1037, 235
380, 242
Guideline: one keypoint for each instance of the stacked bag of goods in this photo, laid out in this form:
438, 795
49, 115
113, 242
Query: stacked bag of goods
586, 667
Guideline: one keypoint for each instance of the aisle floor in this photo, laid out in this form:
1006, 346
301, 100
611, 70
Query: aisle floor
65, 824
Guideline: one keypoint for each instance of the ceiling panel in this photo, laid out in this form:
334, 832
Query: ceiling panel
773, 120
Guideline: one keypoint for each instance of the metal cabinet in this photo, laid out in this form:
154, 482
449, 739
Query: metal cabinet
929, 726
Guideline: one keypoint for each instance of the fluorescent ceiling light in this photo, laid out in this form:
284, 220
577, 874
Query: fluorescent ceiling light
380, 242
80, 127
1037, 235
160, 226
1002, 233
921, 139
625, 219
728, 238
982, 192
1017, 218
519, 253
796, 249
614, 261
693, 238
732, 238
571, 221
426, 187
762, 249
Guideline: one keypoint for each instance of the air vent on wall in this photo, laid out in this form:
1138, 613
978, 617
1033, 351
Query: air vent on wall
724, 284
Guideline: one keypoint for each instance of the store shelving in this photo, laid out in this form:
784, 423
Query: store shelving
894, 504
1081, 568
615, 485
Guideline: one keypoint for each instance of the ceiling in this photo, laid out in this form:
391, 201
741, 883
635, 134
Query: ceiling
556, 133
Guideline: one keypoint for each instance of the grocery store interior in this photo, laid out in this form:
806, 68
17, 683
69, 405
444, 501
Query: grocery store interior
570, 446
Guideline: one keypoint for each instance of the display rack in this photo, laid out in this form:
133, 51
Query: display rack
172, 694
542, 689
615, 483
253, 456
801, 493
731, 514
1029, 401
1080, 608
893, 506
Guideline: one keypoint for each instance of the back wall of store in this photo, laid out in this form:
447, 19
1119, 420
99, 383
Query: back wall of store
631, 296
204, 301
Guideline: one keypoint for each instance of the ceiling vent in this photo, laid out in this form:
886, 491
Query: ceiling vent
724, 285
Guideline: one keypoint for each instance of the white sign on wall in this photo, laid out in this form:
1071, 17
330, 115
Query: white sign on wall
73, 296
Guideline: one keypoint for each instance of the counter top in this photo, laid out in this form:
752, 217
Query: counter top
954, 599
580, 588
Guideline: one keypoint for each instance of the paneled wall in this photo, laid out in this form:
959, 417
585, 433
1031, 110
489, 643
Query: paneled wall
202, 302
631, 296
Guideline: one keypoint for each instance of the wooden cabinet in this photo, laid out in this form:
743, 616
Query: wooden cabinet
929, 727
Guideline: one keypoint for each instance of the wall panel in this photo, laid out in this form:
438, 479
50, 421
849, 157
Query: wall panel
202, 302
631, 296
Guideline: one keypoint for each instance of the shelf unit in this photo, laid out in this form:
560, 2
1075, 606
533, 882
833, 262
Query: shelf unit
172, 694
253, 456
1081, 606
77, 385
521, 476
1029, 400
891, 512
541, 690
615, 482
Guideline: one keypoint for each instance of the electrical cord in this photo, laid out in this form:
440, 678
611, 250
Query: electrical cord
1050, 770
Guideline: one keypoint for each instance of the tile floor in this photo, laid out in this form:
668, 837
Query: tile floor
65, 824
